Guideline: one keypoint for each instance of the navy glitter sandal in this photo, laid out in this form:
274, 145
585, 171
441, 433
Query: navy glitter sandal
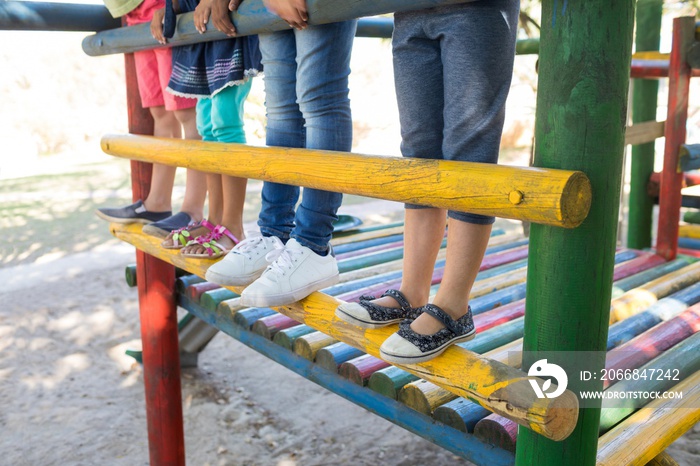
409, 347
367, 314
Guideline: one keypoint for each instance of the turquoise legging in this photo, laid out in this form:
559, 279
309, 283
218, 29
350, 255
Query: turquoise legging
220, 117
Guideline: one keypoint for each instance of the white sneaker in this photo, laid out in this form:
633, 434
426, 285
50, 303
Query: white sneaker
246, 261
296, 273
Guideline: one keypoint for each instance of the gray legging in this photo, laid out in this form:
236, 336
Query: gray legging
452, 68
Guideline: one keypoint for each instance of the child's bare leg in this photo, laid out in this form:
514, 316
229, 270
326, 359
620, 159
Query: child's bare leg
466, 245
196, 184
160, 196
233, 192
424, 230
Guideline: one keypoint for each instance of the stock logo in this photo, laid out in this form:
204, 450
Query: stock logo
544, 369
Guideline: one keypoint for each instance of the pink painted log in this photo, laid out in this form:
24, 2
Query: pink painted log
268, 326
360, 369
194, 292
497, 431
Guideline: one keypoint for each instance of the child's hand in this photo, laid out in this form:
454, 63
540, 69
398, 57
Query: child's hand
201, 16
157, 25
217, 10
292, 11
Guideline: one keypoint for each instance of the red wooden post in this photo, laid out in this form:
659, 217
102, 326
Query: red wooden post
157, 309
671, 177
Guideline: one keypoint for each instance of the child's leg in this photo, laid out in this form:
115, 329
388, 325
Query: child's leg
213, 181
419, 80
196, 184
285, 128
228, 126
165, 125
323, 57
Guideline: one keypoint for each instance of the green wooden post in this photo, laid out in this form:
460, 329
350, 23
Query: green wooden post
644, 103
585, 52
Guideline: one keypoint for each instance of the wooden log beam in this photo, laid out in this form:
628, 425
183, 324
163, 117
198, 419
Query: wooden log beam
642, 133
648, 432
671, 178
492, 384
360, 369
253, 18
52, 16
553, 197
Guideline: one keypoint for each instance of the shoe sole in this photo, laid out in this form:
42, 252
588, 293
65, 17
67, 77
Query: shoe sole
225, 280
149, 229
342, 315
288, 298
396, 359
123, 221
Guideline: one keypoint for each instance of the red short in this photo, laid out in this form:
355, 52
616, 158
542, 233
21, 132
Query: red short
154, 67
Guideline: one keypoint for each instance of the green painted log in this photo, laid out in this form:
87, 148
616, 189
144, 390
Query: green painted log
644, 103
390, 381
286, 337
211, 299
460, 414
130, 275
683, 356
585, 55
692, 216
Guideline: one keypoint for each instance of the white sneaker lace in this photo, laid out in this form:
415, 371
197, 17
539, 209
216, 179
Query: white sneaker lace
248, 245
284, 261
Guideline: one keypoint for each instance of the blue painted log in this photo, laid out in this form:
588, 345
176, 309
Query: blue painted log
247, 317
369, 243
332, 356
251, 18
689, 243
184, 282
689, 157
50, 16
460, 414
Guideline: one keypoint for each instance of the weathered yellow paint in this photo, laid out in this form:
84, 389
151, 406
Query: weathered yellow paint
308, 345
424, 396
639, 299
663, 459
646, 433
689, 231
651, 55
552, 197
492, 384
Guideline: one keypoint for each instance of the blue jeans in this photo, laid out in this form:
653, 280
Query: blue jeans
306, 97
452, 68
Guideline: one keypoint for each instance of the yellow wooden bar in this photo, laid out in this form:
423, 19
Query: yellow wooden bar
492, 384
646, 433
689, 231
663, 459
547, 196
